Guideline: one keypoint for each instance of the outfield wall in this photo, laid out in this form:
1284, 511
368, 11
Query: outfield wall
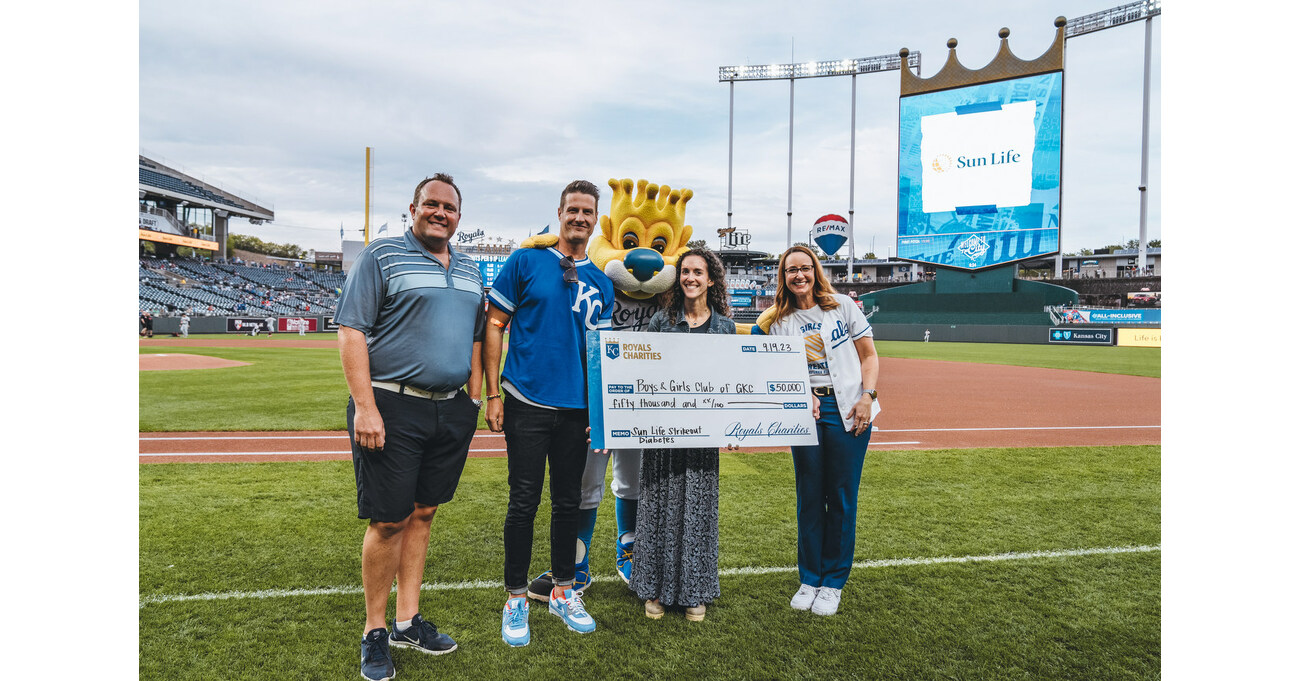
940, 333
166, 326
992, 333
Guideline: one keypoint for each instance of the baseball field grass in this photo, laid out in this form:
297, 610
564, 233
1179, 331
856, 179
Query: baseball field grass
252, 571
1030, 563
287, 388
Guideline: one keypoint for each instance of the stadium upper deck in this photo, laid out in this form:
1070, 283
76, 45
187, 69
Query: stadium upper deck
177, 209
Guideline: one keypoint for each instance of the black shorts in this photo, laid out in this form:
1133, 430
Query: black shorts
425, 445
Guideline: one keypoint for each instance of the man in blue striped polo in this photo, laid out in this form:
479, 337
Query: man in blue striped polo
411, 319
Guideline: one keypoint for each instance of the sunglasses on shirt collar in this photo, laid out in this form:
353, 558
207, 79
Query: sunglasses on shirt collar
570, 269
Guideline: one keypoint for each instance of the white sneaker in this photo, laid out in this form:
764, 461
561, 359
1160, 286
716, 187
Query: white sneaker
827, 601
803, 598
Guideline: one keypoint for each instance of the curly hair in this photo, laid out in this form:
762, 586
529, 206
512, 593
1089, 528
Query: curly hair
717, 294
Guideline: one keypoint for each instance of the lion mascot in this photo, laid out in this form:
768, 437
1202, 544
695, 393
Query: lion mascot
637, 247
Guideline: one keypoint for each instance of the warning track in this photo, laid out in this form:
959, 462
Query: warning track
926, 404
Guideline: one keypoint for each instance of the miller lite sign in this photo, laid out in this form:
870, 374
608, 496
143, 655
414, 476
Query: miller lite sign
731, 238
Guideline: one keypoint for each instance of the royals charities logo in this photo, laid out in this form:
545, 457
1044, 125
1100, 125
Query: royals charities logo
611, 348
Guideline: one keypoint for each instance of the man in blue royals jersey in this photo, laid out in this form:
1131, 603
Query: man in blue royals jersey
551, 297
411, 323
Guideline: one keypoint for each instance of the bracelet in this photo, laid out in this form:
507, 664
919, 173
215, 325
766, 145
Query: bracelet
492, 397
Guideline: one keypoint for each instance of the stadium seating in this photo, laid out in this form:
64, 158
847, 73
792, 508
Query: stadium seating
156, 179
176, 284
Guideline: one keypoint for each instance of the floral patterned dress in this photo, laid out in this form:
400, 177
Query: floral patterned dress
676, 558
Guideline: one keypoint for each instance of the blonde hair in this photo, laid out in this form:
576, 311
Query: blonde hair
823, 292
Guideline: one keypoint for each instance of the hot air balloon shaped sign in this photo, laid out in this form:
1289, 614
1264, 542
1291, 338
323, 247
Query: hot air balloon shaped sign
830, 232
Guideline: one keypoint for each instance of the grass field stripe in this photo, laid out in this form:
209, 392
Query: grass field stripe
901, 562
727, 572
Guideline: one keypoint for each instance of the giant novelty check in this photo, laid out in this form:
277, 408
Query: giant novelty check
671, 390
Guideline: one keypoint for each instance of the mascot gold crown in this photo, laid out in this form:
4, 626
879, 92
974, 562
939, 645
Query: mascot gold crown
641, 238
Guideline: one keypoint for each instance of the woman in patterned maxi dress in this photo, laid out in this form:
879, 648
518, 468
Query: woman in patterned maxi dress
676, 561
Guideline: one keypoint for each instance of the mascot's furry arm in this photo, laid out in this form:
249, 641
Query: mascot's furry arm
760, 326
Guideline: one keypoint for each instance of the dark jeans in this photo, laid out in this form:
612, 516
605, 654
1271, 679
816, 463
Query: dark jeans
534, 436
826, 480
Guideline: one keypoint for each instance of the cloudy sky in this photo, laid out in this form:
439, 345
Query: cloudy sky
278, 101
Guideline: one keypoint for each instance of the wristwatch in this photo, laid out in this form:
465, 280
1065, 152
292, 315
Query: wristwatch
871, 393
477, 403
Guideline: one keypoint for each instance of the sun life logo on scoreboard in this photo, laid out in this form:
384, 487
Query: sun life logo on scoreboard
943, 162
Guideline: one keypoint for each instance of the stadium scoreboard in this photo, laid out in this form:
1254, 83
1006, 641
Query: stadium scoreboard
979, 173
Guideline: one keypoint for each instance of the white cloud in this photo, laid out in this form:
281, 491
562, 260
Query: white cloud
515, 99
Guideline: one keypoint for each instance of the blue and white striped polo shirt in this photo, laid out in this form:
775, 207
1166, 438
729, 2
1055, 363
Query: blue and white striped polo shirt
421, 319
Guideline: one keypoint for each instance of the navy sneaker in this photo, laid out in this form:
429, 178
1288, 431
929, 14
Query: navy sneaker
624, 562
376, 662
514, 622
540, 588
422, 636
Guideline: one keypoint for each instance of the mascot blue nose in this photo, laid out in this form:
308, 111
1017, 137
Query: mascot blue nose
643, 263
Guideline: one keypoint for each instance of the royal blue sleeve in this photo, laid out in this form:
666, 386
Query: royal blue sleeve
505, 288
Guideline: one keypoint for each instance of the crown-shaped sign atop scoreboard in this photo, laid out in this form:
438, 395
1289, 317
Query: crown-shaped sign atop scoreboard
1003, 66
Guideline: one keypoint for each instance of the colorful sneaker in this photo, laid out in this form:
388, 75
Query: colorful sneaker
540, 588
624, 562
514, 622
423, 636
803, 598
827, 601
376, 662
569, 608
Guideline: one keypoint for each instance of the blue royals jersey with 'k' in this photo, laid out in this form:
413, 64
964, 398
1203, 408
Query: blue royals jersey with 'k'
549, 319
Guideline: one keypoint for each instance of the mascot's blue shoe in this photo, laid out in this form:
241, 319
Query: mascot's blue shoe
624, 561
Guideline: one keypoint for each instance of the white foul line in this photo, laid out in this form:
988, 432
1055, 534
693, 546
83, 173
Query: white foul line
349, 452
949, 430
343, 453
275, 437
482, 435
728, 572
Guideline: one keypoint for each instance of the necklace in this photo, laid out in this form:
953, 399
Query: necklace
694, 322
